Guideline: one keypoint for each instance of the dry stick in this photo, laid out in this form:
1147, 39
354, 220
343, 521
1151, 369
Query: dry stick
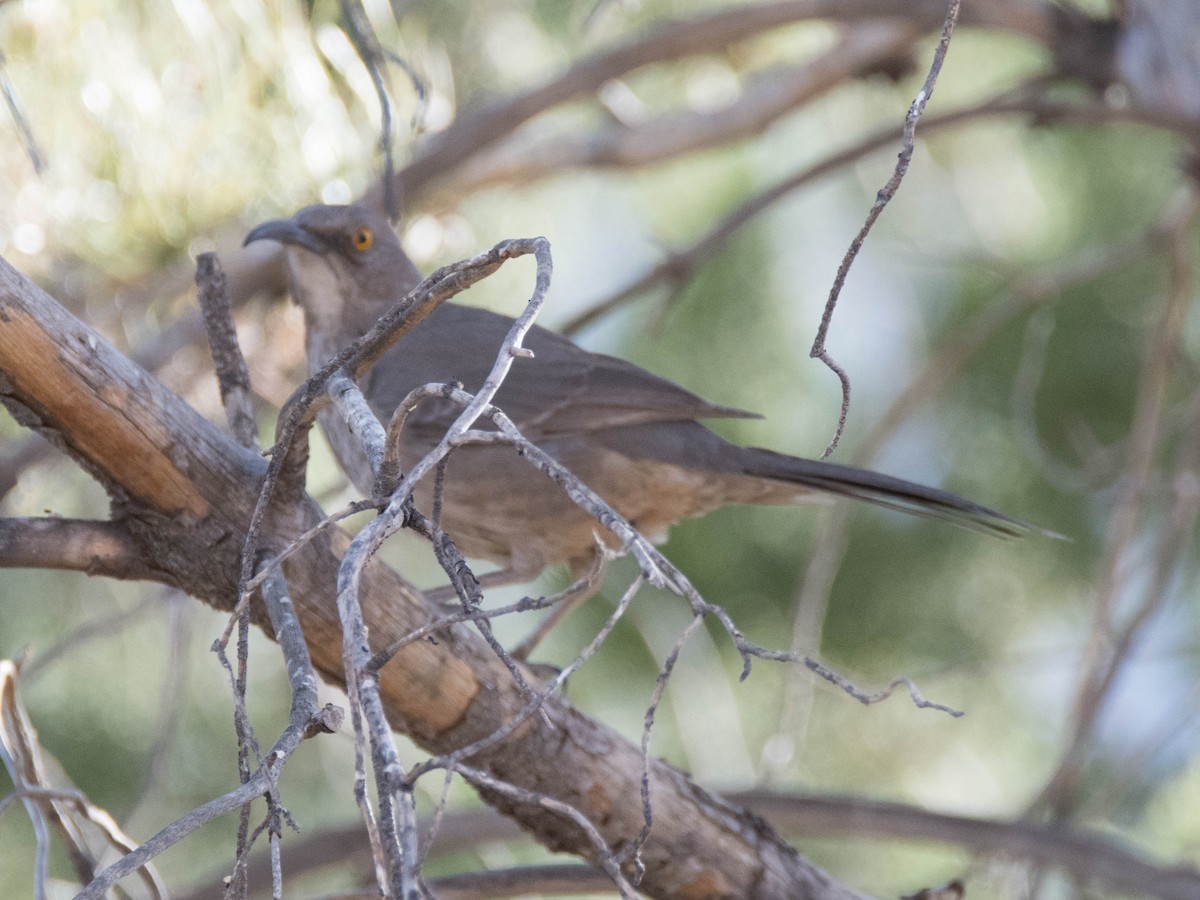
466, 586
882, 199
367, 45
22, 756
656, 568
9, 90
233, 376
1109, 644
565, 602
352, 407
605, 858
303, 680
363, 688
660, 686
304, 721
584, 586
300, 410
1027, 294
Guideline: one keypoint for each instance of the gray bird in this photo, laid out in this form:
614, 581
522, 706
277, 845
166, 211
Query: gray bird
631, 436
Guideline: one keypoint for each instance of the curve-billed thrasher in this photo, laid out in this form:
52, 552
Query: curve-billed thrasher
631, 436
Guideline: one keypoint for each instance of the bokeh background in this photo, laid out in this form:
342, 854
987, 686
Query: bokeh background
165, 129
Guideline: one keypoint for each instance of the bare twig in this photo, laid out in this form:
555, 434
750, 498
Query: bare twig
366, 43
233, 375
603, 855
767, 97
882, 199
15, 109
1027, 293
306, 720
23, 758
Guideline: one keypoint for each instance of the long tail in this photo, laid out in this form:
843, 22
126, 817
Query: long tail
884, 490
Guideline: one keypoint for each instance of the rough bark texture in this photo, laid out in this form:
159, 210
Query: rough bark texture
185, 491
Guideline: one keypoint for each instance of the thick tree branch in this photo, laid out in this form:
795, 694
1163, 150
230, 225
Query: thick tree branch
186, 492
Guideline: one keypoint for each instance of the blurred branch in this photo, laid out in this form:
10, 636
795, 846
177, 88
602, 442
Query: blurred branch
374, 59
97, 548
98, 626
36, 158
681, 264
862, 50
64, 811
1085, 854
445, 152
1026, 294
1110, 643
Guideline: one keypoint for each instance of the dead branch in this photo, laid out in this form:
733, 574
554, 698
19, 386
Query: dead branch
186, 492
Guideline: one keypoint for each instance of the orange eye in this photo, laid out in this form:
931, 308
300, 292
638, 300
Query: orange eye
363, 238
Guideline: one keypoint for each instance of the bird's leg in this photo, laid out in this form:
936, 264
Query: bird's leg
564, 604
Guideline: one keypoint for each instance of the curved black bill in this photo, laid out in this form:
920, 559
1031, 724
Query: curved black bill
286, 231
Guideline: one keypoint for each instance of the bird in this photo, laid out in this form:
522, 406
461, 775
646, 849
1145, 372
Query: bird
633, 437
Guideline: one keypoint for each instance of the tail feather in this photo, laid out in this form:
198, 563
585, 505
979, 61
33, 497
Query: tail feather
884, 490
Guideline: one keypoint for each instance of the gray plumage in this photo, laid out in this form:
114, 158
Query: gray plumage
632, 436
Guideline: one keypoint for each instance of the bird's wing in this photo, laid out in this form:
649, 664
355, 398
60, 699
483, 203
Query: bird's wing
562, 390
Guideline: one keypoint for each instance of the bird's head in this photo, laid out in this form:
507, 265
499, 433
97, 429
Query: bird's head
346, 266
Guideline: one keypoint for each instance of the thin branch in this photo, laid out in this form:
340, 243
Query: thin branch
373, 57
24, 759
882, 199
1086, 854
682, 38
80, 545
603, 856
36, 158
1028, 293
233, 375
766, 97
305, 720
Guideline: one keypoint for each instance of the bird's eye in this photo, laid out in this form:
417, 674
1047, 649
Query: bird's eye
363, 238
